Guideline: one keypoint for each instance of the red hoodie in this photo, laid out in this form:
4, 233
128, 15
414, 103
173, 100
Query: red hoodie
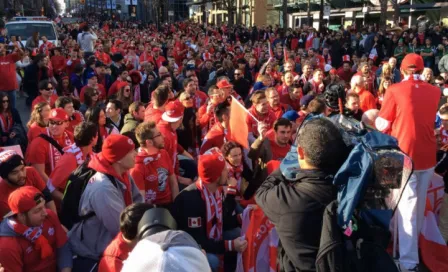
99, 164
152, 175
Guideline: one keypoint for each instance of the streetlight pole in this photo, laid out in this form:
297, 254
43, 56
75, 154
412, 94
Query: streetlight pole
308, 13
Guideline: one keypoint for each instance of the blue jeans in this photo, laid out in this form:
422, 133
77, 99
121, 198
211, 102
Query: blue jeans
213, 259
12, 98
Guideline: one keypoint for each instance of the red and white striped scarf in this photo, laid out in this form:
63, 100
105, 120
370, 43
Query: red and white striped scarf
235, 172
6, 122
55, 155
213, 203
76, 151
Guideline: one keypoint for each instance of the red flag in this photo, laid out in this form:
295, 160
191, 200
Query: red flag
433, 248
238, 126
262, 242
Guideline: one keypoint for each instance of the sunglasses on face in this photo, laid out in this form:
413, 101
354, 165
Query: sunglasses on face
56, 123
127, 90
49, 89
237, 74
95, 94
5, 101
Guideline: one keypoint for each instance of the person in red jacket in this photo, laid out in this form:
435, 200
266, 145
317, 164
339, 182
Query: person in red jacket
14, 174
261, 111
118, 250
408, 113
92, 81
46, 91
58, 61
345, 72
206, 113
85, 137
102, 56
153, 172
9, 82
191, 86
44, 155
171, 121
31, 237
75, 117
156, 107
366, 99
219, 132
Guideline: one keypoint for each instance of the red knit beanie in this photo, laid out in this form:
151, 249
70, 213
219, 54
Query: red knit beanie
211, 165
115, 147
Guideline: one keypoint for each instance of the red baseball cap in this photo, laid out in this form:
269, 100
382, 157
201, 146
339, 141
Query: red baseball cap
155, 49
174, 111
115, 147
24, 199
211, 165
224, 84
58, 115
333, 71
413, 61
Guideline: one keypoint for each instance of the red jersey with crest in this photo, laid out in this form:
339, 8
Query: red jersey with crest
18, 253
152, 175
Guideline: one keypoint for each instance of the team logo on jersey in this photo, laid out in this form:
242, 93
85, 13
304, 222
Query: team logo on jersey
51, 231
151, 178
150, 196
162, 174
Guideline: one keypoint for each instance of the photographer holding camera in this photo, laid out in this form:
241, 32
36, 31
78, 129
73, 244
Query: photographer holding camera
292, 205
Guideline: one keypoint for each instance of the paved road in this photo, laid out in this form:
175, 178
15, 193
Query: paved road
23, 109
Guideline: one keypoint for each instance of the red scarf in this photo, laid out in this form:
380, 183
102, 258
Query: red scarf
6, 122
34, 235
235, 172
55, 155
213, 205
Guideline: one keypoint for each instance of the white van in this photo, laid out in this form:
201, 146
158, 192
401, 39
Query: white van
26, 26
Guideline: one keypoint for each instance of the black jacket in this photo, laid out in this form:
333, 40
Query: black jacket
190, 205
296, 209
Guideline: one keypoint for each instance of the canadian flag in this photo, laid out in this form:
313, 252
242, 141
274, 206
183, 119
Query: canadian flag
433, 248
194, 222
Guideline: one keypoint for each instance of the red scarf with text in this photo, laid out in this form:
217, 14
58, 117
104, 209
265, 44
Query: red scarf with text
34, 235
55, 155
235, 172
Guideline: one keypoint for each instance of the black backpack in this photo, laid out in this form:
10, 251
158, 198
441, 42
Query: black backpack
74, 189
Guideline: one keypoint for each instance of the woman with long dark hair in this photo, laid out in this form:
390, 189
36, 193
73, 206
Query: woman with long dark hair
91, 100
38, 123
65, 88
97, 116
11, 129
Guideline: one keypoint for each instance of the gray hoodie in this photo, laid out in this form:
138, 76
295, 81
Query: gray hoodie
90, 238
64, 256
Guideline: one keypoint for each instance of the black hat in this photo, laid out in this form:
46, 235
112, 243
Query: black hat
9, 160
99, 64
334, 93
117, 57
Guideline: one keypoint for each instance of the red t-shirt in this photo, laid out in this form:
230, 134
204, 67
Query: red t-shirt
278, 152
8, 72
114, 255
154, 115
34, 131
40, 99
19, 254
152, 175
76, 119
366, 100
411, 107
39, 151
59, 63
170, 138
286, 99
32, 179
252, 125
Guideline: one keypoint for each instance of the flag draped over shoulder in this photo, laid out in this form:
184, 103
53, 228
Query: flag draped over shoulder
238, 126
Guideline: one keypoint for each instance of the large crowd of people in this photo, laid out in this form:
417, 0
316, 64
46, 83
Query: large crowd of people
148, 110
